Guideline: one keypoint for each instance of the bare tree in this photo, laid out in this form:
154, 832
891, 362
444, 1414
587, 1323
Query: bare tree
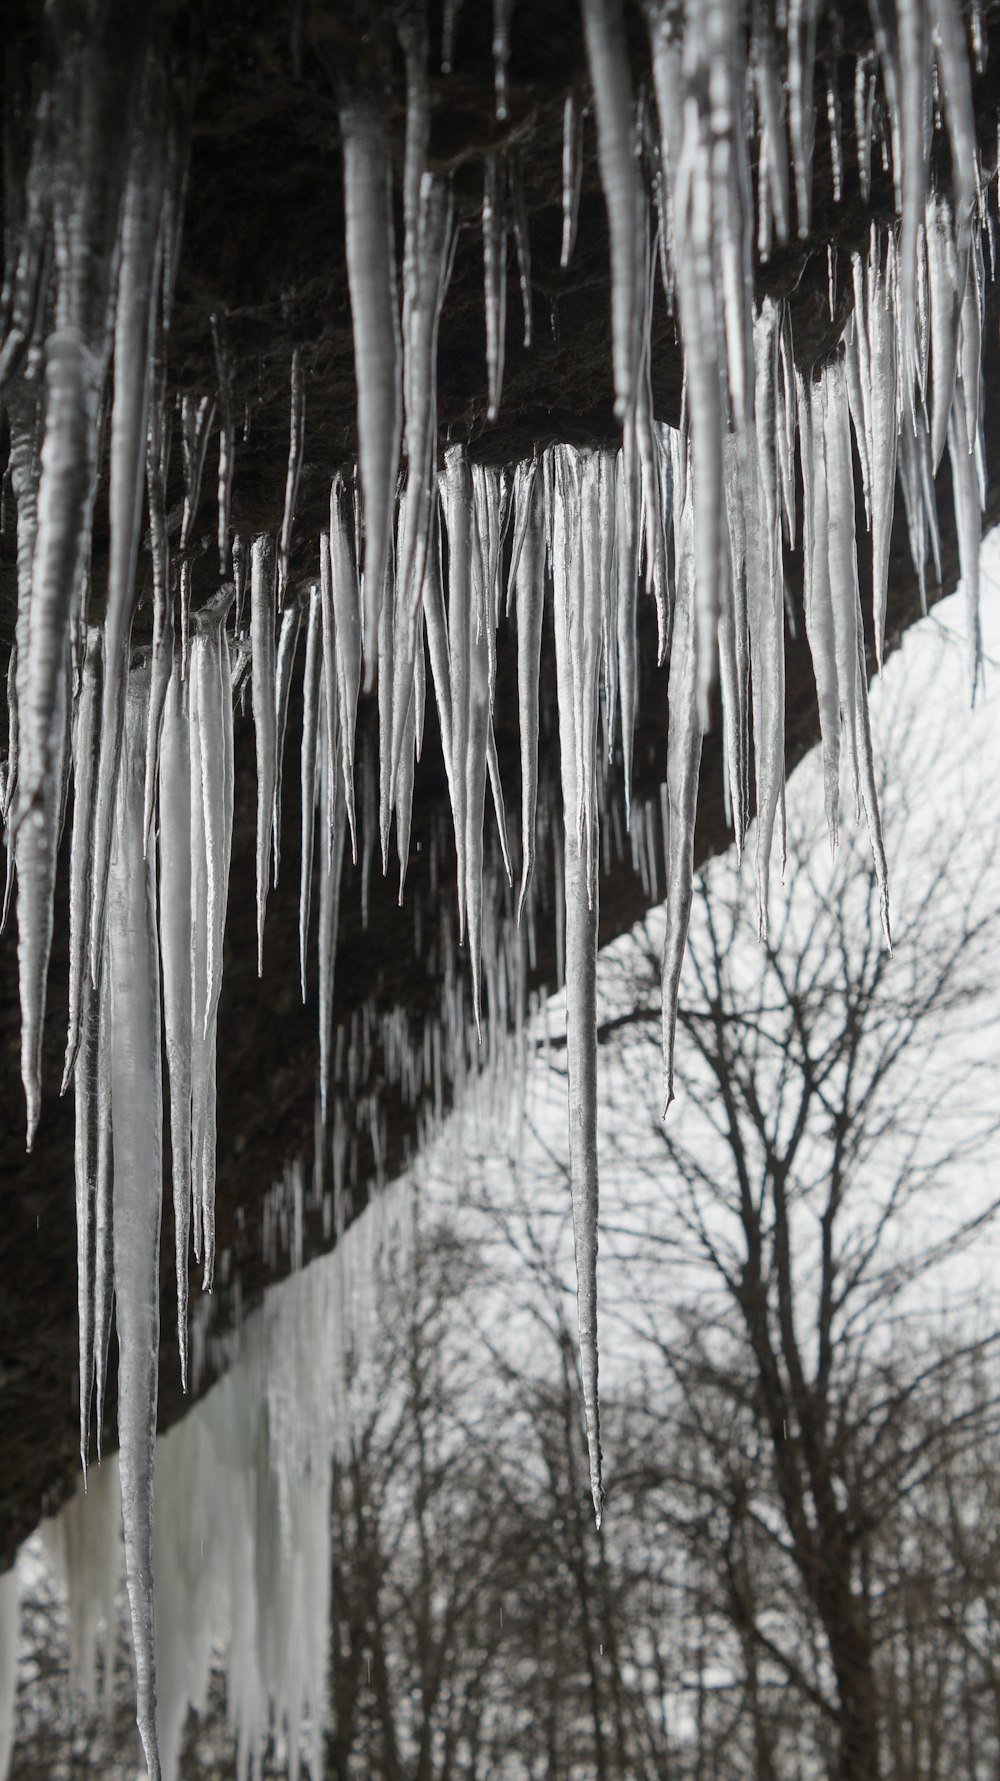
821, 1180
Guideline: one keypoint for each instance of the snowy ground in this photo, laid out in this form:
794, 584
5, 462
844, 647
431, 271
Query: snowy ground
242, 1532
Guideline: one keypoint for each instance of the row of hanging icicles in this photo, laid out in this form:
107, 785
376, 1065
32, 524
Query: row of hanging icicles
420, 569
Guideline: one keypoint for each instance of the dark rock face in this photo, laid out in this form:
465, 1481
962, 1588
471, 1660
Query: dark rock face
263, 250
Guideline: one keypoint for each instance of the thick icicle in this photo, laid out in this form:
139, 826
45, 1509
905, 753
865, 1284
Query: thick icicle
563, 472
802, 16
945, 306
607, 58
133, 341
137, 1117
36, 848
211, 754
262, 627
64, 493
372, 284
956, 84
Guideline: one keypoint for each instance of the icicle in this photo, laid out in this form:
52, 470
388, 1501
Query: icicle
371, 279
910, 159
529, 582
227, 436
386, 652
307, 770
157, 456
211, 755
196, 425
628, 675
456, 498
864, 100
607, 59
522, 243
176, 874
970, 342
572, 175
342, 630
773, 156
63, 504
945, 306
956, 84
884, 408
581, 916
817, 595
36, 847
801, 109
502, 10
968, 527
683, 766
262, 623
104, 1267
448, 23
734, 652
836, 145
765, 599
494, 281
473, 764
81, 854
296, 434
404, 791
85, 1154
136, 1114
287, 641
427, 283
437, 645
493, 766
331, 861
239, 575
133, 342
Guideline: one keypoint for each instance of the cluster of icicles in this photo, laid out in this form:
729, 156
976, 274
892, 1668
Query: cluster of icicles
419, 567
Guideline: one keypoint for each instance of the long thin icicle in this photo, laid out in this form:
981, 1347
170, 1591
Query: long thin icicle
311, 687
175, 950
137, 1118
564, 474
683, 766
262, 629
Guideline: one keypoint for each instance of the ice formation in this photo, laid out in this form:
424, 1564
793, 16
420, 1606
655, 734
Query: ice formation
424, 563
